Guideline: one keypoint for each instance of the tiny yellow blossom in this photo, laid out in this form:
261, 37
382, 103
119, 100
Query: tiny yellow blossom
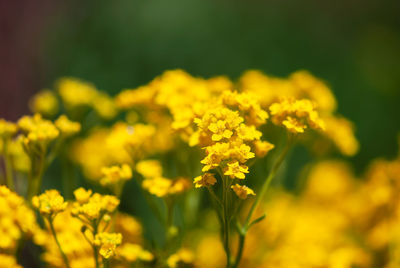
108, 243
242, 191
183, 256
67, 127
149, 168
116, 174
49, 203
82, 195
207, 179
262, 148
7, 129
133, 252
234, 170
44, 102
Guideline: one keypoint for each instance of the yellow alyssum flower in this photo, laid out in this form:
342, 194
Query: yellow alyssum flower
82, 195
8, 261
108, 243
242, 191
66, 126
104, 106
162, 187
234, 170
7, 129
133, 252
296, 115
262, 148
49, 203
37, 131
17, 219
115, 174
75, 92
97, 205
207, 179
149, 168
45, 103
182, 256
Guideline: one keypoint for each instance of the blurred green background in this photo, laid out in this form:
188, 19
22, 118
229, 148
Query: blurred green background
353, 45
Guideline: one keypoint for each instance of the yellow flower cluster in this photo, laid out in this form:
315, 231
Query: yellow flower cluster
50, 203
116, 174
7, 129
229, 132
45, 103
93, 207
158, 185
296, 115
16, 221
182, 257
38, 132
66, 126
121, 144
108, 243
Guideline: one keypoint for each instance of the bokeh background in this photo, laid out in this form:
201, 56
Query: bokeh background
354, 45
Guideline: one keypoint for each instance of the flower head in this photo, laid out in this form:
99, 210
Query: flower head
108, 243
207, 179
49, 203
242, 191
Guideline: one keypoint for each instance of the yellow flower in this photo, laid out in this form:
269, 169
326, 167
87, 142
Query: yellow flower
96, 206
262, 148
37, 131
183, 256
108, 243
219, 130
242, 191
116, 174
104, 106
234, 170
16, 218
44, 102
207, 179
149, 168
49, 203
67, 127
8, 261
75, 93
82, 195
133, 252
7, 129
296, 115
161, 186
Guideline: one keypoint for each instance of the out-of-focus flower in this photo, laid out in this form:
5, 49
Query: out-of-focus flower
45, 103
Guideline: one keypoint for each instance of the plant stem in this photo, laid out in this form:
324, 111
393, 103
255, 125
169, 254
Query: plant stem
243, 229
226, 221
35, 180
57, 242
7, 165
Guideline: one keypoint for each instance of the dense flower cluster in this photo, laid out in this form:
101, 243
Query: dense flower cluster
177, 148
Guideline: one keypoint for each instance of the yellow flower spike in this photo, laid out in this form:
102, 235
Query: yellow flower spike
108, 243
67, 127
234, 170
75, 92
82, 195
44, 102
207, 179
116, 174
95, 206
49, 203
242, 191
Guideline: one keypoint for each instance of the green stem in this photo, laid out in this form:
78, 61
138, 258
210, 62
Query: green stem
226, 221
7, 165
243, 230
106, 263
35, 180
58, 243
